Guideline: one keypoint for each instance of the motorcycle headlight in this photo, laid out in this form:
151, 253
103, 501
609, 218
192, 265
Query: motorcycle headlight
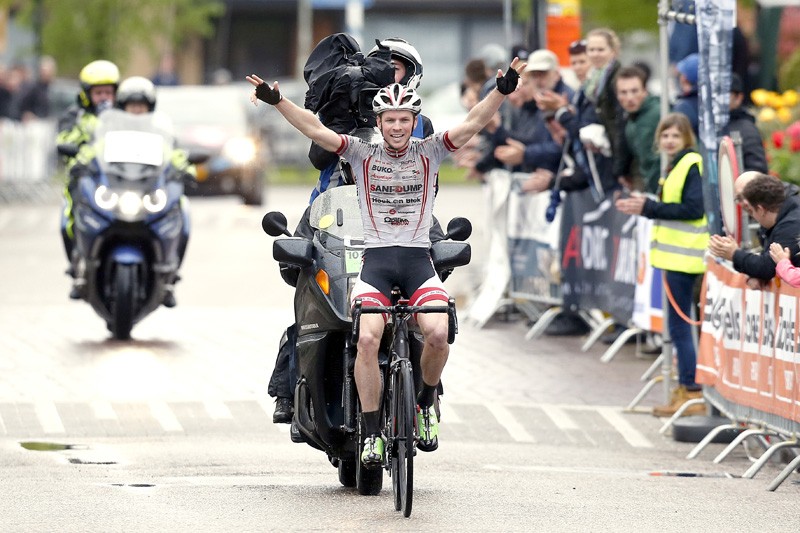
155, 201
240, 149
130, 204
105, 198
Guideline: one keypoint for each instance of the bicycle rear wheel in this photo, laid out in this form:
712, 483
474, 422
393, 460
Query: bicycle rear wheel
401, 425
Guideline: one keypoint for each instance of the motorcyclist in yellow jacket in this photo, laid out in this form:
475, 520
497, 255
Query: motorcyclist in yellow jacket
99, 81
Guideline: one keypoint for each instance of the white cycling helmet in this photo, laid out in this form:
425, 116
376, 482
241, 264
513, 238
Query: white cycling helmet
136, 89
403, 51
397, 97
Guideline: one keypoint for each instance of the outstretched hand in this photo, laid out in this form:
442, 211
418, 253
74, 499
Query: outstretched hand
507, 83
264, 92
777, 252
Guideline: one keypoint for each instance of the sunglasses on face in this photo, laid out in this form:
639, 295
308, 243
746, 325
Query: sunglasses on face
577, 47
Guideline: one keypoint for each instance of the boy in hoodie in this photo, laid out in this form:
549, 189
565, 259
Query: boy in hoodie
741, 121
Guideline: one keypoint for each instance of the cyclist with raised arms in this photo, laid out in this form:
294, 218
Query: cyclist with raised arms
396, 239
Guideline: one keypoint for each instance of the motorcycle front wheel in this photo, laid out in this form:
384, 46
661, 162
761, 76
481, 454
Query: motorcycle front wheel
122, 310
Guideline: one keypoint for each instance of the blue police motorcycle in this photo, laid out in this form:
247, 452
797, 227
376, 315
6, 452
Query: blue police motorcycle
131, 219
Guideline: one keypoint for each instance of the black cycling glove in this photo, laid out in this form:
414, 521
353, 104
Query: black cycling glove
508, 81
267, 94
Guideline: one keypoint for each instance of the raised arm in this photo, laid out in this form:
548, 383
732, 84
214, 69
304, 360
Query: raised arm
482, 112
303, 120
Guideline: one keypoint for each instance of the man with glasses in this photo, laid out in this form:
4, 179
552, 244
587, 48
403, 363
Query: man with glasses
764, 198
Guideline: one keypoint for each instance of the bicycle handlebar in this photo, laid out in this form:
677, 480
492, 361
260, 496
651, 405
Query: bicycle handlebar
405, 309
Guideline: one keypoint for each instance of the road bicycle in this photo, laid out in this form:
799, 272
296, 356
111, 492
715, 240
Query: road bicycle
399, 400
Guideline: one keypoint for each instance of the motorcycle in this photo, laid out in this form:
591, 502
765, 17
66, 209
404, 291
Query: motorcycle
131, 222
326, 406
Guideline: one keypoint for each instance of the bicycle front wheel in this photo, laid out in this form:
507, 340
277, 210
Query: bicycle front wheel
401, 423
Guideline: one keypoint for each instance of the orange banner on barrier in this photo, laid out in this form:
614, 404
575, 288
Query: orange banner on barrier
749, 349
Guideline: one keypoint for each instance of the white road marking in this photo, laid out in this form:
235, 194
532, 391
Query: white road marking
164, 415
507, 420
559, 417
103, 410
449, 414
48, 417
217, 410
628, 432
2, 426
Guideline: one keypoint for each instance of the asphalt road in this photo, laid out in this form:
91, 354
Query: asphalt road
172, 431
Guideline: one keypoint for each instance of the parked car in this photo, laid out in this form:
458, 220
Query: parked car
215, 120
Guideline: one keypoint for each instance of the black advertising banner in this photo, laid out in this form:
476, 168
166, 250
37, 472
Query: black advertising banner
598, 258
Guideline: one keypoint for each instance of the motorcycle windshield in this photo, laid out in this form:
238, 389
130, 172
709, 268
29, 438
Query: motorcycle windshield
336, 212
132, 148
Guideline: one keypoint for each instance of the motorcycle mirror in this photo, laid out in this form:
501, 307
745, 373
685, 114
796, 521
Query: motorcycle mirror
459, 229
68, 149
274, 224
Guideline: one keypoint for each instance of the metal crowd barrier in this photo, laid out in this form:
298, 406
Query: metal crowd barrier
27, 151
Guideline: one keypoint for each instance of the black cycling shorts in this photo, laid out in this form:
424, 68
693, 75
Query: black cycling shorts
410, 269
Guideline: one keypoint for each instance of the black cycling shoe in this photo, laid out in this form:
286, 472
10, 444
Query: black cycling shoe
284, 411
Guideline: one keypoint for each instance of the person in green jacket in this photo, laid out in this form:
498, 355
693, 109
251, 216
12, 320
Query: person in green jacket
638, 164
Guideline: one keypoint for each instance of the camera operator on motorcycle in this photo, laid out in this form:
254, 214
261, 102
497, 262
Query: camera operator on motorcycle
407, 65
137, 95
99, 81
397, 248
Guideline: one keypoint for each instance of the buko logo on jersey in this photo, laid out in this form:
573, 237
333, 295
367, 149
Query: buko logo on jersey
381, 168
399, 189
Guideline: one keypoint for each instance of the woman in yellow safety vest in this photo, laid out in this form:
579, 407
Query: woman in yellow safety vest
679, 240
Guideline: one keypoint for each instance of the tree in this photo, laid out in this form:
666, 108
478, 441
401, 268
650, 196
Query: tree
75, 32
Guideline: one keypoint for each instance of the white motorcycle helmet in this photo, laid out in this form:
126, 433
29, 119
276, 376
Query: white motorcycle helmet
408, 55
136, 89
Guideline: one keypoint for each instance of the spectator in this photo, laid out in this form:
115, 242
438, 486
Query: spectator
742, 122
637, 164
166, 74
531, 146
603, 46
221, 76
494, 57
474, 150
35, 97
783, 265
474, 79
687, 103
764, 198
682, 37
680, 236
15, 81
5, 93
579, 61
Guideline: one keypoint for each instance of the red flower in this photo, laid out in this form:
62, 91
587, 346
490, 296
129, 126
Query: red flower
795, 146
777, 139
794, 130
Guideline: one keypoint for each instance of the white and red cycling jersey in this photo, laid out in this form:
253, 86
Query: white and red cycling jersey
396, 189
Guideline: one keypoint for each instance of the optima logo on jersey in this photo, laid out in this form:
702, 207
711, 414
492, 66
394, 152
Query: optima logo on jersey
399, 189
396, 221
